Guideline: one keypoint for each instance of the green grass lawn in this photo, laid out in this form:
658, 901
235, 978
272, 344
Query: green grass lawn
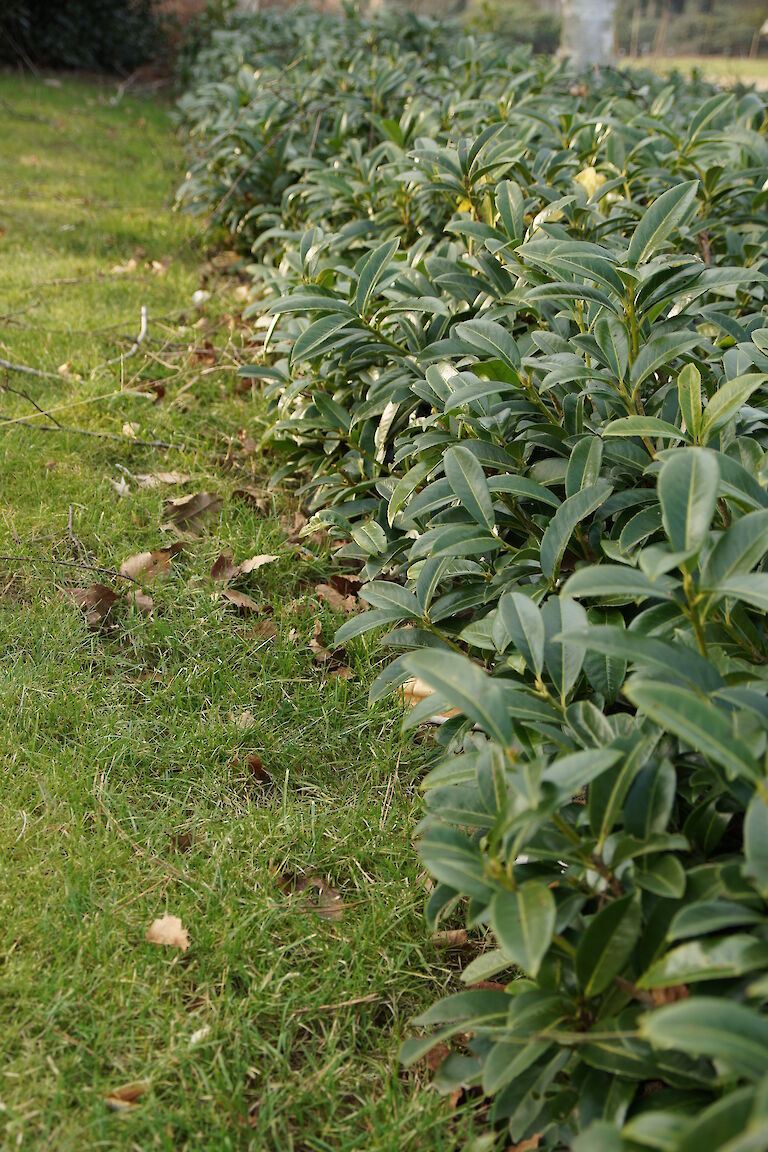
718, 69
126, 790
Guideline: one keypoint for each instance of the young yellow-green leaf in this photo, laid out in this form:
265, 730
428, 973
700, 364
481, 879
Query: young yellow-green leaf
524, 921
607, 944
689, 398
467, 479
688, 486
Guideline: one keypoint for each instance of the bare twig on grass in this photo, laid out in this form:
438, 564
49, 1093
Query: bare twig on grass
87, 432
132, 350
26, 370
68, 564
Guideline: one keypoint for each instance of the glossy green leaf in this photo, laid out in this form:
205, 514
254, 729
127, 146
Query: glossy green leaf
688, 487
562, 525
731, 1033
523, 922
467, 479
659, 221
607, 944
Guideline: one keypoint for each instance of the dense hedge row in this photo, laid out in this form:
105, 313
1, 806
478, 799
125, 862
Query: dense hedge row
101, 35
514, 339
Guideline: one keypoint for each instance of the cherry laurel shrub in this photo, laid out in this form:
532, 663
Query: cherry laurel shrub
516, 348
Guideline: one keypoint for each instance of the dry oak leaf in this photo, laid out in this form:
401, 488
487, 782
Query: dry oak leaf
335, 600
155, 479
450, 938
239, 600
253, 496
224, 568
189, 513
96, 601
127, 1096
320, 897
142, 603
256, 562
147, 565
167, 930
266, 629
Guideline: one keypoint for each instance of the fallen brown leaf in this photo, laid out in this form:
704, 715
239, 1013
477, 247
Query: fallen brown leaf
332, 662
266, 629
147, 565
253, 496
321, 653
127, 1096
450, 938
335, 600
526, 1145
347, 584
156, 479
188, 514
123, 269
143, 603
436, 1056
320, 896
239, 600
167, 930
257, 770
256, 562
224, 568
244, 720
96, 601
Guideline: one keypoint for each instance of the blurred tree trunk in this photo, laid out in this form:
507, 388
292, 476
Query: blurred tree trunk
588, 31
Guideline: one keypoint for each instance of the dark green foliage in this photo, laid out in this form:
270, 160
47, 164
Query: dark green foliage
100, 35
515, 339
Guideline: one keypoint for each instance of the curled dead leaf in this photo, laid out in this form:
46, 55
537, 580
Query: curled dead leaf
127, 1096
239, 600
96, 601
156, 479
329, 595
332, 662
450, 938
168, 931
320, 897
437, 1056
188, 514
147, 565
256, 562
266, 629
143, 603
224, 568
251, 495
255, 767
